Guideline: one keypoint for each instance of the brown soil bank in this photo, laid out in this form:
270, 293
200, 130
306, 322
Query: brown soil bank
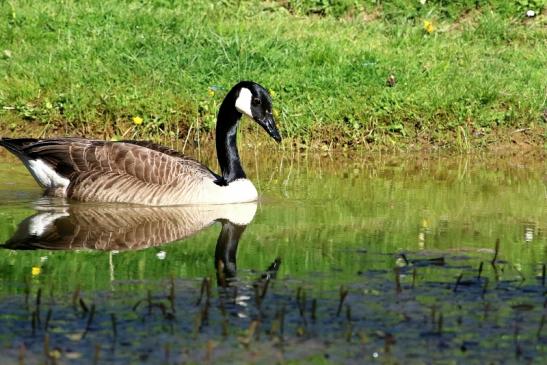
326, 138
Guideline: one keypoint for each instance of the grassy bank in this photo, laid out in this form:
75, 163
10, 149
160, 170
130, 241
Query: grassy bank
371, 73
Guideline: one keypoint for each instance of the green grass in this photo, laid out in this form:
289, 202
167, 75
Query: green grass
88, 67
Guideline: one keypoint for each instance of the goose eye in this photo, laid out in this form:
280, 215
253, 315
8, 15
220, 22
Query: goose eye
256, 101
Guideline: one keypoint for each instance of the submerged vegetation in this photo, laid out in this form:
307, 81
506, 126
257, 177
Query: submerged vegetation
389, 316
399, 72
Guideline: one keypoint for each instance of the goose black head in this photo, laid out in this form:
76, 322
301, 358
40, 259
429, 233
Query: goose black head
254, 101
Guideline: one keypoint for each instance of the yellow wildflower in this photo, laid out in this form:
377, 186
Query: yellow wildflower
428, 26
55, 354
137, 120
36, 270
272, 93
211, 92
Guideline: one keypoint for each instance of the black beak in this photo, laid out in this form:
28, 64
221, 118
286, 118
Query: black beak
268, 123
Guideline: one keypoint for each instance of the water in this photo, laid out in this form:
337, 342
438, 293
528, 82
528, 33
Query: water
344, 259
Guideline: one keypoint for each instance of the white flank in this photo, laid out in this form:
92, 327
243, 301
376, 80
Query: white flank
46, 176
243, 102
239, 191
39, 223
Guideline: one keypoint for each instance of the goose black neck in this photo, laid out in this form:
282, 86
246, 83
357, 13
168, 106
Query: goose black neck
226, 139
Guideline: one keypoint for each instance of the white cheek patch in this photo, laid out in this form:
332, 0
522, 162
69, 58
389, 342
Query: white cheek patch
243, 102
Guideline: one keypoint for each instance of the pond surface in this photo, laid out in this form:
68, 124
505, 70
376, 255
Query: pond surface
344, 259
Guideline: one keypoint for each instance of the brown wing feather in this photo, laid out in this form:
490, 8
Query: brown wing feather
128, 171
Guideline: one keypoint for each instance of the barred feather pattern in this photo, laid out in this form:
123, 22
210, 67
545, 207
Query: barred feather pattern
129, 172
115, 227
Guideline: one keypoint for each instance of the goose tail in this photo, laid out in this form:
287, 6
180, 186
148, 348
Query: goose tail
17, 145
40, 168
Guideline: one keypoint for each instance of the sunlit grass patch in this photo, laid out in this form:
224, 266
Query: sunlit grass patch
88, 69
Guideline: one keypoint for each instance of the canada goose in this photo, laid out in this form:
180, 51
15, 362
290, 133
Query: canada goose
141, 172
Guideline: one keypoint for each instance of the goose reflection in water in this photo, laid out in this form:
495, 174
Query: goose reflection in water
117, 228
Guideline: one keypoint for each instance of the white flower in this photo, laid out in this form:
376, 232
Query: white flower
528, 234
530, 13
423, 2
43, 258
161, 255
